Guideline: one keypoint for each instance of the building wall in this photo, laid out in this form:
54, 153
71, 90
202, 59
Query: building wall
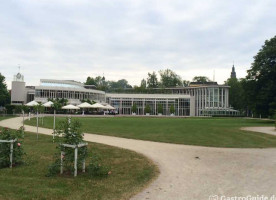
124, 102
18, 93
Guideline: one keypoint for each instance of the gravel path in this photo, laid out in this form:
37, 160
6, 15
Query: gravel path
192, 172
268, 130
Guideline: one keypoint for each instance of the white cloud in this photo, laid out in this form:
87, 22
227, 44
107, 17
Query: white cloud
126, 39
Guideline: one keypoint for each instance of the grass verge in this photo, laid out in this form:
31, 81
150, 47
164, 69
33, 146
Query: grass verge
131, 172
214, 132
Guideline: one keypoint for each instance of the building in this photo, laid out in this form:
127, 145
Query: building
233, 73
198, 99
182, 104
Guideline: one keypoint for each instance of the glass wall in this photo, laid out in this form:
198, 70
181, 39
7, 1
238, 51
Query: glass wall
53, 94
124, 105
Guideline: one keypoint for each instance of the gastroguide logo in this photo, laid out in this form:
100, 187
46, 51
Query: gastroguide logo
248, 197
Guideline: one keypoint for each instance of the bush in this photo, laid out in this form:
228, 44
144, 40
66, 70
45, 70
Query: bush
18, 152
160, 108
172, 110
70, 134
134, 108
147, 109
10, 108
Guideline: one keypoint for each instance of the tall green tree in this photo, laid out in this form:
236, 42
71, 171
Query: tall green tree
261, 78
236, 94
143, 84
152, 80
201, 79
4, 93
169, 78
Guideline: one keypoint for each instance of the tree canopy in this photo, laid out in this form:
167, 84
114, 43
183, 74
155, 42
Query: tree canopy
169, 78
152, 80
201, 79
261, 80
4, 93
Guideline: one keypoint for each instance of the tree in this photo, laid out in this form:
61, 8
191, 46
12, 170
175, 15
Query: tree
134, 108
236, 95
186, 83
172, 110
261, 81
90, 81
169, 78
201, 79
120, 84
152, 80
147, 109
160, 108
143, 84
4, 94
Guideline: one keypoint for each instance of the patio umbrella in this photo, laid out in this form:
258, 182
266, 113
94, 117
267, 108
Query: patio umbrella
109, 107
70, 107
84, 105
48, 104
31, 104
98, 105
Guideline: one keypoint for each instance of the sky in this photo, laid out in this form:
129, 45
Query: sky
126, 39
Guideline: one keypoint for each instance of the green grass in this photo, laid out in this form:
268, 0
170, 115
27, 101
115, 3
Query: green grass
6, 117
130, 173
215, 132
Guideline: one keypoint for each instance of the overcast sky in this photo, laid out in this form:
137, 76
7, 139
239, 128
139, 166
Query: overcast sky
60, 39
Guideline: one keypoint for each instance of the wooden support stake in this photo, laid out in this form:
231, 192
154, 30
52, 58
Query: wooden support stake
61, 162
76, 162
37, 125
54, 126
11, 152
83, 166
23, 124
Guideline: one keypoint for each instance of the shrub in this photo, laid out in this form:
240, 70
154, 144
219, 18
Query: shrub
18, 152
134, 108
160, 108
172, 110
70, 134
147, 109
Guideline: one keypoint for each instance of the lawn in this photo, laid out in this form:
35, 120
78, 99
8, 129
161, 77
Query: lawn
130, 173
6, 117
215, 132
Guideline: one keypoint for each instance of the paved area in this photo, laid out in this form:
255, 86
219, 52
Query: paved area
267, 130
192, 172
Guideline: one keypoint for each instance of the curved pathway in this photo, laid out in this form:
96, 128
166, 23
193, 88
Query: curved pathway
193, 172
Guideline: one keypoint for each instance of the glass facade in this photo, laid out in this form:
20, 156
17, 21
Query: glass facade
53, 94
124, 105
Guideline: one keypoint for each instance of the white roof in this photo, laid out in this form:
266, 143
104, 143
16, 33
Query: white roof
148, 96
32, 103
85, 105
48, 104
70, 106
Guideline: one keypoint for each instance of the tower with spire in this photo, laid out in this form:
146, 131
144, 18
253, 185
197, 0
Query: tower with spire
233, 73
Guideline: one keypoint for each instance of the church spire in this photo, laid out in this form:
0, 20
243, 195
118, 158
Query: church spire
233, 73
